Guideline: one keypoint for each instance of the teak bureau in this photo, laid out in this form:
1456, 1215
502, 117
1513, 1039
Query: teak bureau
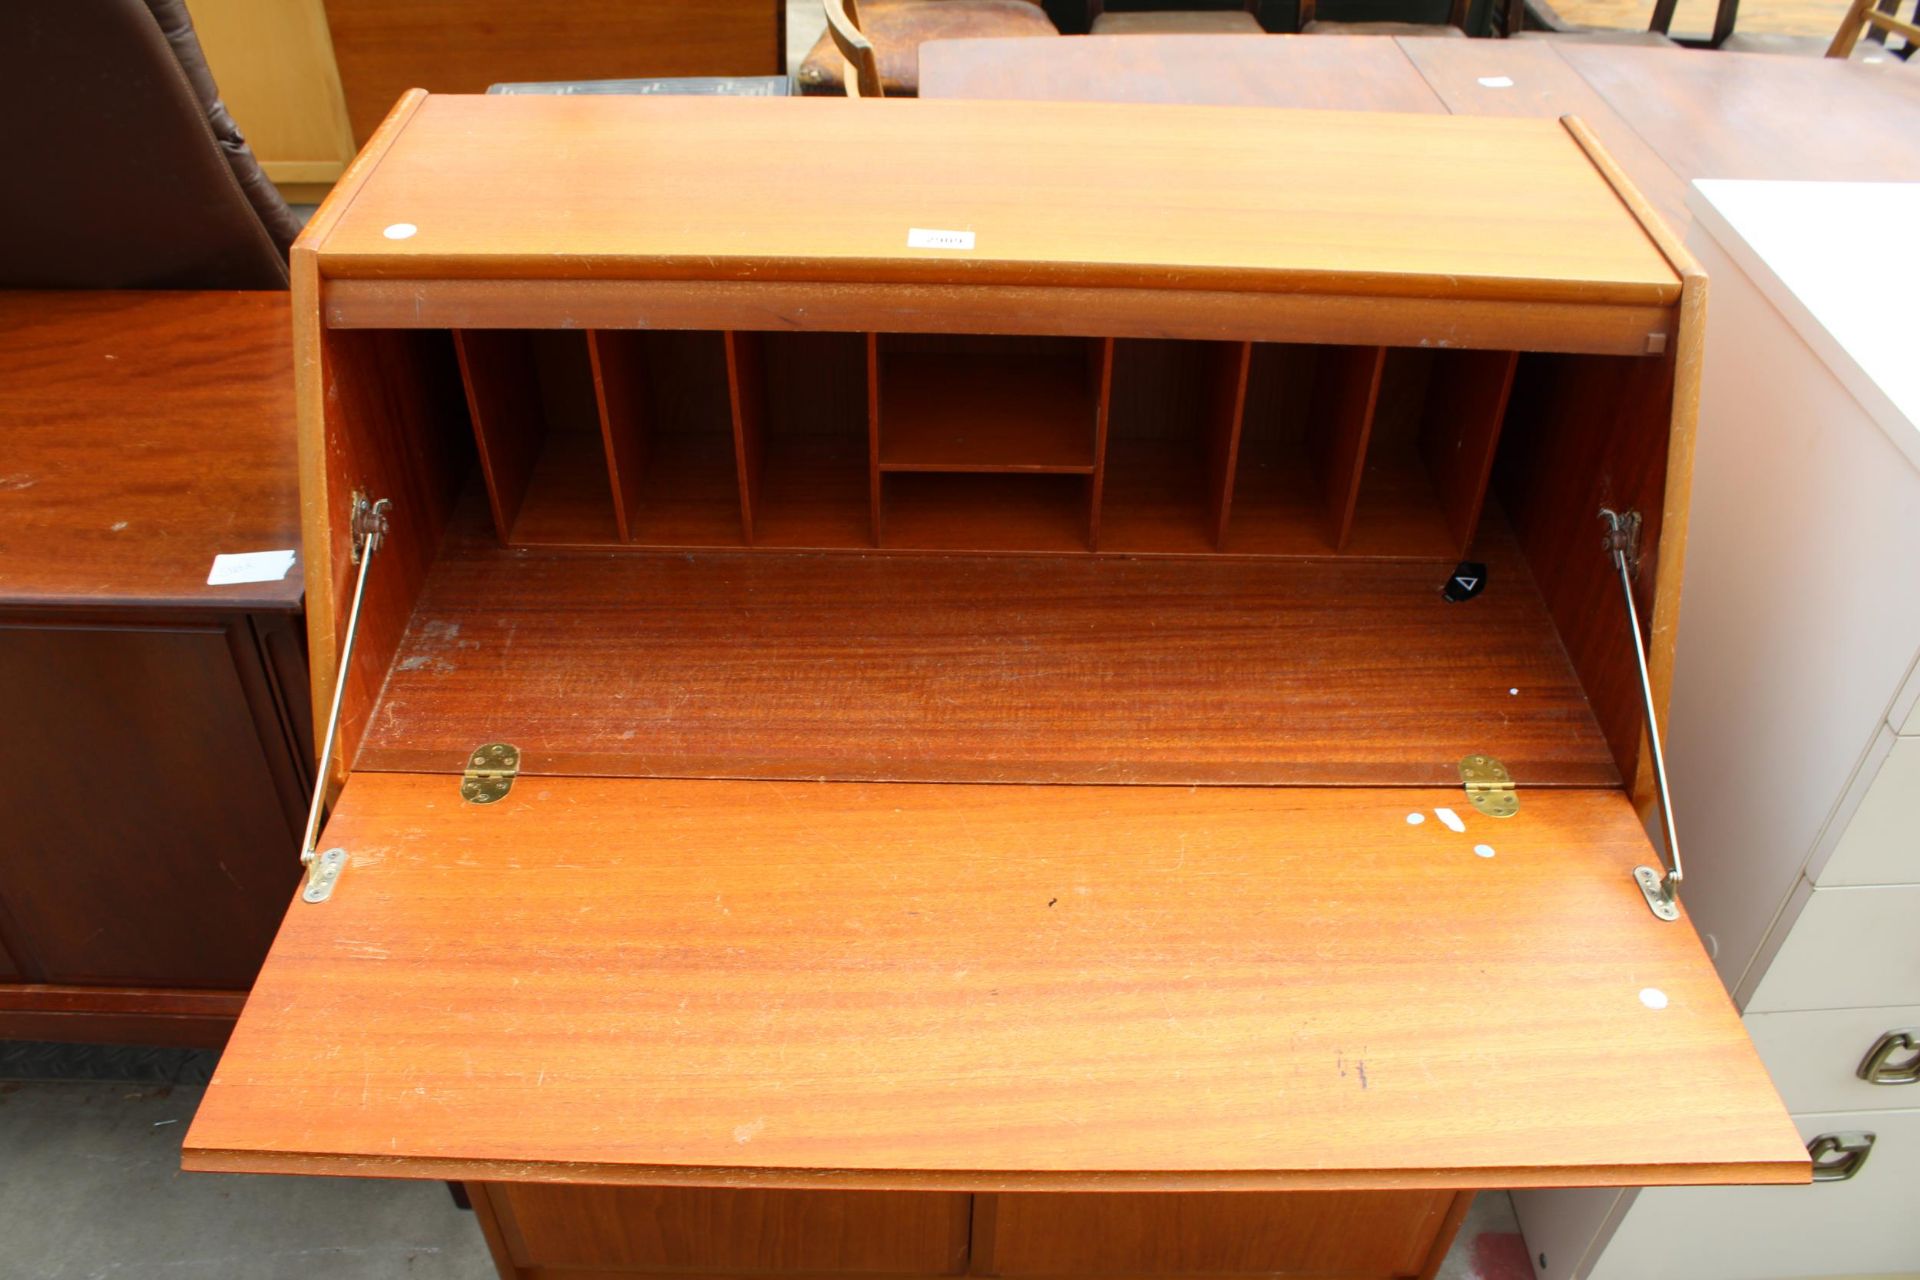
989, 719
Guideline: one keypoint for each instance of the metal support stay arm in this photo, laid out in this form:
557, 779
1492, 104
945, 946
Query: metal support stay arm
323, 869
1662, 890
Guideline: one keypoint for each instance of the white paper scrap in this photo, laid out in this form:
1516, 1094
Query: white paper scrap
249, 566
931, 238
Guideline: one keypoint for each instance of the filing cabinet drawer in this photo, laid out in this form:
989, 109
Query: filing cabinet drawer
1849, 948
1862, 1226
1881, 844
1815, 1057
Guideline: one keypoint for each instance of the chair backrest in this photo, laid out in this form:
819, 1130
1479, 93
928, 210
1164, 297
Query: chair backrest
123, 169
1864, 16
863, 65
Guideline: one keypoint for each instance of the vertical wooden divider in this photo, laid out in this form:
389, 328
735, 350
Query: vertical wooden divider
1346, 391
619, 388
875, 497
747, 396
1226, 414
1460, 429
509, 421
1100, 373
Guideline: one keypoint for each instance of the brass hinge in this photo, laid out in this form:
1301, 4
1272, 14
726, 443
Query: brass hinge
490, 773
1489, 786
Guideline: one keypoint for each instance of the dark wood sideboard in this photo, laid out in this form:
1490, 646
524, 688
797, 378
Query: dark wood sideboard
154, 761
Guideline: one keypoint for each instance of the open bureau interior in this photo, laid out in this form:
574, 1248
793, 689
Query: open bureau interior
985, 730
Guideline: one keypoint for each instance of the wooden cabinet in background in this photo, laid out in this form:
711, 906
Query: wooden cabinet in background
273, 61
386, 47
153, 761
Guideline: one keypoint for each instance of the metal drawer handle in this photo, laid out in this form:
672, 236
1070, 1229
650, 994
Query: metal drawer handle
1879, 1068
1838, 1156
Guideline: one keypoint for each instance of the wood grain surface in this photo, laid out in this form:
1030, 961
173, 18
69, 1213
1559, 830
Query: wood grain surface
175, 1017
144, 434
1033, 181
1295, 1233
988, 988
1529, 78
1666, 115
733, 1232
1744, 115
1010, 668
1330, 73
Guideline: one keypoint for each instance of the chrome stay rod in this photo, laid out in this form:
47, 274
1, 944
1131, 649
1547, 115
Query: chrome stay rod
369, 531
1662, 890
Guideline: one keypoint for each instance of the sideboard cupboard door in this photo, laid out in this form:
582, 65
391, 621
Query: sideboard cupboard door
731, 1232
886, 987
149, 832
1388, 1233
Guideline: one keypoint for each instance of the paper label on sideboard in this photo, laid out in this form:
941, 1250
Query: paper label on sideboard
934, 238
249, 566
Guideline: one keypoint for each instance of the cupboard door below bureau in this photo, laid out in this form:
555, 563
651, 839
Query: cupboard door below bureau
1343, 1233
555, 1228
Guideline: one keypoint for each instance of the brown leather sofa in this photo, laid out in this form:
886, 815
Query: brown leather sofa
123, 168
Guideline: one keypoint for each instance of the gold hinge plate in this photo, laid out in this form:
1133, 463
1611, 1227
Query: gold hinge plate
1489, 786
490, 773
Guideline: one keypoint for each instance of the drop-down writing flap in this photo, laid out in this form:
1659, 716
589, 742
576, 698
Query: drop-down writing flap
816, 984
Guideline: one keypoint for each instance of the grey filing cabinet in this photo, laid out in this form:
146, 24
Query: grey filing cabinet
1795, 743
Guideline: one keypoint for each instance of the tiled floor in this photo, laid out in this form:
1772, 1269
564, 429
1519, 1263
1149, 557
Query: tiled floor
91, 1189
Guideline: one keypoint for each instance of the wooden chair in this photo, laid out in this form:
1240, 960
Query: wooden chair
1455, 24
894, 30
1244, 20
860, 70
1873, 19
1876, 21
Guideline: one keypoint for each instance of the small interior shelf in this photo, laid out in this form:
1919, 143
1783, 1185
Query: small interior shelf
973, 404
956, 443
960, 511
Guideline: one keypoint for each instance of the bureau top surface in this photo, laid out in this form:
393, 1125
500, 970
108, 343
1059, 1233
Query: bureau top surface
146, 433
1067, 194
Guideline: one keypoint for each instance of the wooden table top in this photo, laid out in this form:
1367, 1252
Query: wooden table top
703, 189
987, 987
145, 433
1666, 115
